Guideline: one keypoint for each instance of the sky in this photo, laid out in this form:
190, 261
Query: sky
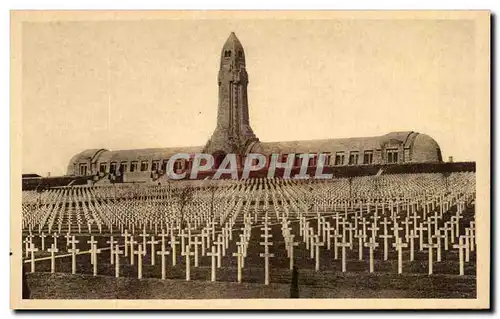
153, 83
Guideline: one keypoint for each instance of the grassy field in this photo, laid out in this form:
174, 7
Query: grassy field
67, 286
329, 282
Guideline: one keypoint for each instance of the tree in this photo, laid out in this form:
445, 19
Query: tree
183, 197
212, 189
350, 187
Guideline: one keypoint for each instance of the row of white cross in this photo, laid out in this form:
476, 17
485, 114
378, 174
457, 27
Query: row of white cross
105, 213
310, 238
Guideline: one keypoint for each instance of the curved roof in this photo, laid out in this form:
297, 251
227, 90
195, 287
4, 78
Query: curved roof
146, 153
333, 145
312, 146
426, 149
102, 155
85, 156
423, 148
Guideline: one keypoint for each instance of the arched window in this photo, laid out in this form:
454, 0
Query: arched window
227, 54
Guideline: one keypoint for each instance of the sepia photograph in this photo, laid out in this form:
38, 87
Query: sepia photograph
250, 159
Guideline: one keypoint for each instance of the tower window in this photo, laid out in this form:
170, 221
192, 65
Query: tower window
368, 157
240, 54
284, 158
144, 166
326, 159
179, 165
314, 160
297, 160
227, 54
155, 165
353, 158
123, 167
102, 167
392, 156
133, 166
112, 168
83, 169
339, 158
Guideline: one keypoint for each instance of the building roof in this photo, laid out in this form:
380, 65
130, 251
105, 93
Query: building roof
86, 155
233, 44
334, 145
422, 148
146, 153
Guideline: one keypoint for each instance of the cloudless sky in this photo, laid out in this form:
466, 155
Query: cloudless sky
153, 83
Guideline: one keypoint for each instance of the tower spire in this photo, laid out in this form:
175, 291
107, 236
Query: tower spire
233, 132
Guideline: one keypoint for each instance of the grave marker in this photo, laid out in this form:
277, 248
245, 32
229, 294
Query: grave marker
399, 245
372, 245
187, 253
213, 254
117, 253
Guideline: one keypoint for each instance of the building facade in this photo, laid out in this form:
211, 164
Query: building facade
233, 134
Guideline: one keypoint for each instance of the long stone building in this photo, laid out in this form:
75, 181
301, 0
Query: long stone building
233, 134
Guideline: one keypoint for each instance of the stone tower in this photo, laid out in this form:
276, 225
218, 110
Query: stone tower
233, 133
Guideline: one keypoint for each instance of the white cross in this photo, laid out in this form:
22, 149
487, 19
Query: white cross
335, 236
27, 242
447, 227
438, 236
32, 249
73, 252
94, 251
430, 246
196, 243
187, 253
68, 237
219, 244
361, 238
292, 244
153, 242
385, 237
173, 243
396, 230
472, 226
399, 245
132, 242
52, 250
435, 222
163, 252
239, 256
55, 236
372, 245
317, 244
140, 253
407, 224
111, 243
213, 254
117, 253
421, 229
461, 246
126, 235
144, 238
350, 228
91, 242
411, 238
467, 247
42, 236
344, 245
266, 256
311, 244
374, 229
